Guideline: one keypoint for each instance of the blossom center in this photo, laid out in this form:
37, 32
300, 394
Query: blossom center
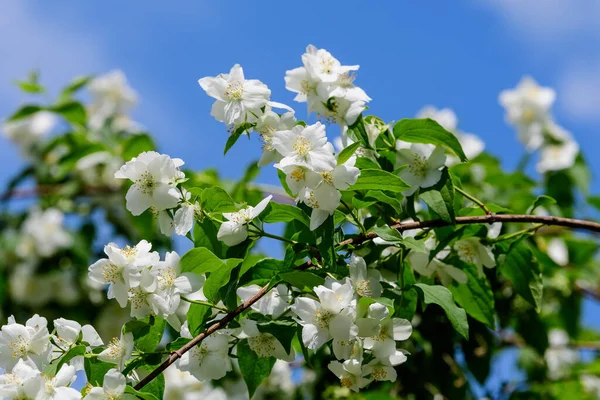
235, 91
418, 166
327, 65
466, 252
297, 174
322, 318
302, 146
311, 201
327, 177
528, 116
379, 374
166, 277
364, 288
146, 184
115, 349
137, 297
19, 347
307, 88
346, 382
263, 345
243, 216
111, 273
347, 78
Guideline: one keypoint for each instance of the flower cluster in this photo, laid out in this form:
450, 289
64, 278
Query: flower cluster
528, 108
27, 132
25, 350
312, 172
112, 100
137, 276
364, 338
327, 87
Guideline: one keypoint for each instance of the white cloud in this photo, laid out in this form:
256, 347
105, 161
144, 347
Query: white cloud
567, 34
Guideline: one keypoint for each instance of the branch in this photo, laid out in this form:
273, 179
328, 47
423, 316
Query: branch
406, 226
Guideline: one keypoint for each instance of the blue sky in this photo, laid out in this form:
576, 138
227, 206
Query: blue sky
457, 54
450, 54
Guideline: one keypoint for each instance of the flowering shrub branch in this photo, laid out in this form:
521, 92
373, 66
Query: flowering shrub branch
408, 252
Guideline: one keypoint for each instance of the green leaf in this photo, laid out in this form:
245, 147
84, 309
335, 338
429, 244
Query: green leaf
96, 369
201, 260
254, 369
476, 296
443, 297
276, 212
147, 332
219, 278
178, 343
205, 235
72, 111
377, 179
266, 269
347, 152
594, 201
281, 175
136, 144
235, 135
384, 198
541, 201
303, 280
358, 133
76, 84
215, 199
24, 112
428, 131
440, 197
325, 242
141, 395
30, 87
55, 366
197, 316
523, 270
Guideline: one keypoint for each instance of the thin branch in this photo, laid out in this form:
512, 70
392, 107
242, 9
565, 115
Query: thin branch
474, 200
480, 219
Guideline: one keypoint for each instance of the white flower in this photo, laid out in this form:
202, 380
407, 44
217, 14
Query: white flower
67, 335
382, 369
29, 342
420, 262
118, 351
350, 374
57, 388
424, 163
181, 223
559, 358
390, 330
591, 384
43, 233
235, 229
322, 189
299, 80
330, 317
154, 177
181, 385
274, 303
305, 147
27, 131
325, 67
558, 251
98, 169
470, 250
21, 382
237, 98
343, 87
111, 94
121, 270
528, 108
171, 285
340, 111
143, 298
365, 281
264, 344
209, 360
266, 125
113, 388
555, 157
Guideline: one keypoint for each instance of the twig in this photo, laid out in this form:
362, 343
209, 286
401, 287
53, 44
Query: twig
436, 223
473, 199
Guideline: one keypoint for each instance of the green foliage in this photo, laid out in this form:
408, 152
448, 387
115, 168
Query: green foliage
427, 131
443, 297
376, 179
254, 369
